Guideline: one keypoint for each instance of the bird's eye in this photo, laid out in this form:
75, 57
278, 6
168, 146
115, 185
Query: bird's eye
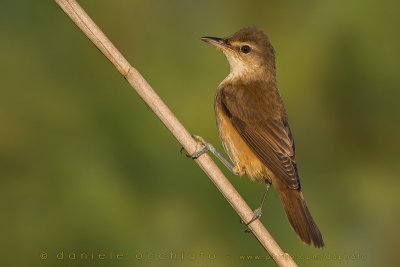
245, 49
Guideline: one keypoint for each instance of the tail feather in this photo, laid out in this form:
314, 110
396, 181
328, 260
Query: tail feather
299, 217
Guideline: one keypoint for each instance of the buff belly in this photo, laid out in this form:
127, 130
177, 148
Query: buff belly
239, 152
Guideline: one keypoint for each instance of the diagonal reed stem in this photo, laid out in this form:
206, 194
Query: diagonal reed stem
150, 97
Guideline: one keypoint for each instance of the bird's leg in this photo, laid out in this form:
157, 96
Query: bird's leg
209, 147
258, 211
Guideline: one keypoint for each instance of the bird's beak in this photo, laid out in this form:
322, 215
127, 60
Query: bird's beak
218, 42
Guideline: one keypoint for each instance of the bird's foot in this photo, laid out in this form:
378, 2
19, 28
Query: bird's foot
205, 147
257, 215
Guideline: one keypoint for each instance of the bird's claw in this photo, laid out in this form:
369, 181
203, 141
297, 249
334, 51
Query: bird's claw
180, 150
257, 215
247, 228
205, 147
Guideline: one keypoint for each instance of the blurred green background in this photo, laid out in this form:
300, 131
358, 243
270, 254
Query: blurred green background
86, 167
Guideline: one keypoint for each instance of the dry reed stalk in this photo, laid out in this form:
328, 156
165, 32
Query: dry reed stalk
150, 97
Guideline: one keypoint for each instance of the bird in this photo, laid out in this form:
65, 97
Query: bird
253, 126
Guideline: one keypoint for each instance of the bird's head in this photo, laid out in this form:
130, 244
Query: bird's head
248, 51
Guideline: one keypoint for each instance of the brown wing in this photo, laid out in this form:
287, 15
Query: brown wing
255, 113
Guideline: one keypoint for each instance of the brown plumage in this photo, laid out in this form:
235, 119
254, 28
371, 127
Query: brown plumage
253, 124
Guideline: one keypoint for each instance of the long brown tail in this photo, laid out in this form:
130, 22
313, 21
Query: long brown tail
299, 216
